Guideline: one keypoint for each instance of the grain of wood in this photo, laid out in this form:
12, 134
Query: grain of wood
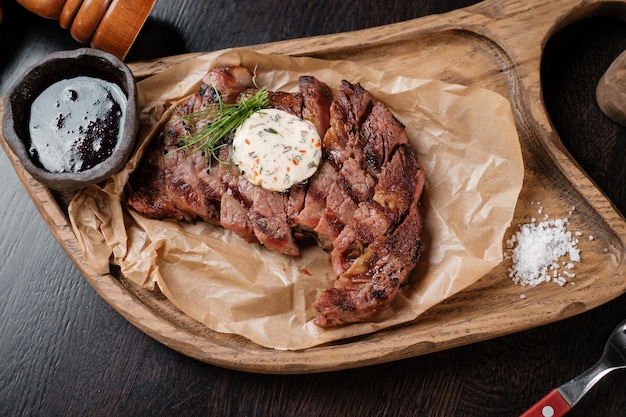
486, 45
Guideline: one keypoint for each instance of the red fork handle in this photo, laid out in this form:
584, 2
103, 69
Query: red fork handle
552, 405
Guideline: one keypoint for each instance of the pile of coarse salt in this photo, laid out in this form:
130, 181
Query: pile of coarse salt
537, 248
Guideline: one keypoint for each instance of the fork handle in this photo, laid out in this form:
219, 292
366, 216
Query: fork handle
552, 405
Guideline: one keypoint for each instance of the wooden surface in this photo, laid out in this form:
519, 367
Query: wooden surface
66, 352
434, 47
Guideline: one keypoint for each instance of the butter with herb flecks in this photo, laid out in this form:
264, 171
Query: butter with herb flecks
276, 150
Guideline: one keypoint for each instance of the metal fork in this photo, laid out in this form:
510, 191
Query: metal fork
560, 400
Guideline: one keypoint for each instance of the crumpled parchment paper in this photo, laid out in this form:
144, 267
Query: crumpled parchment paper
465, 139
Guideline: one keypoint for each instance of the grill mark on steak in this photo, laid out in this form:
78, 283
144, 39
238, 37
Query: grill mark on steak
315, 198
236, 199
289, 102
228, 81
316, 101
362, 204
269, 222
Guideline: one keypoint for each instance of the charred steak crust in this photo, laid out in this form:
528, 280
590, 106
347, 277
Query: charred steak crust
362, 204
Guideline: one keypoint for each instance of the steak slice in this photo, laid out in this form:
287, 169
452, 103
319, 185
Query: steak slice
361, 205
316, 98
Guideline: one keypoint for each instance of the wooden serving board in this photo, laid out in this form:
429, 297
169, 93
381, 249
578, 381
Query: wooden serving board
496, 45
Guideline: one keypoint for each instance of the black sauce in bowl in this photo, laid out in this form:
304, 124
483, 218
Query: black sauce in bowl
76, 123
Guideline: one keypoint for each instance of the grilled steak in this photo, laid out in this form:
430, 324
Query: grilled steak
362, 204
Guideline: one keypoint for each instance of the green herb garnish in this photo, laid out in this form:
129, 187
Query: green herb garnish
223, 119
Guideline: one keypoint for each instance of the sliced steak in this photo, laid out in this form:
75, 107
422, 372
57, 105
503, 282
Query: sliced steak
372, 263
373, 280
377, 248
362, 203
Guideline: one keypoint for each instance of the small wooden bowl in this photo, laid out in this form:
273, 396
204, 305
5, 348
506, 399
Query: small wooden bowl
55, 67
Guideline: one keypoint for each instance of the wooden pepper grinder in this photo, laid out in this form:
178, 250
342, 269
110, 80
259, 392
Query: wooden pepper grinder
110, 25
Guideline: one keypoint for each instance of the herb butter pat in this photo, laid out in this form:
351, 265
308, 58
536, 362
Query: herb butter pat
275, 149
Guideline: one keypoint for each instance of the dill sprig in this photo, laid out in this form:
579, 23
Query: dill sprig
219, 121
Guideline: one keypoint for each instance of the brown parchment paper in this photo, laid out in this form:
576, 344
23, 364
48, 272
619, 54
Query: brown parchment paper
465, 139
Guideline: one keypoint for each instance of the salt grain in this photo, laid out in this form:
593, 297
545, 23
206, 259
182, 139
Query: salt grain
536, 249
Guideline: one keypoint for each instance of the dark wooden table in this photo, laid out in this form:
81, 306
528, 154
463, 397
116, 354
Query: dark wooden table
65, 352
